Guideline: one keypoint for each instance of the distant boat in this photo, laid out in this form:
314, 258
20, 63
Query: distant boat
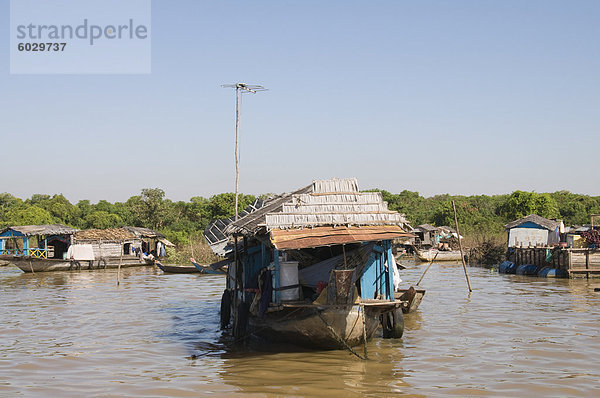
36, 264
438, 255
219, 268
177, 269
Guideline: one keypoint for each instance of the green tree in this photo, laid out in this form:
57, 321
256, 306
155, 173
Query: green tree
58, 206
30, 215
8, 203
62, 210
223, 204
126, 212
38, 199
520, 204
150, 208
200, 212
104, 205
576, 209
102, 219
85, 208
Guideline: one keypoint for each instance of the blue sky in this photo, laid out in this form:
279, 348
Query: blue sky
459, 97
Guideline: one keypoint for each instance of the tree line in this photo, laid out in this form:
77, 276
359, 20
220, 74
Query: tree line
178, 220
487, 215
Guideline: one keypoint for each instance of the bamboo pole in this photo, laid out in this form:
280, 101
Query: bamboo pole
462, 256
237, 149
235, 281
191, 246
120, 262
427, 269
364, 325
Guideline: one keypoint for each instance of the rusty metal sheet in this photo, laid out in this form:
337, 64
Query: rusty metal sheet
327, 236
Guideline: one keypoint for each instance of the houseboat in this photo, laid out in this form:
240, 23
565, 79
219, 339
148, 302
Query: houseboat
41, 248
33, 247
315, 268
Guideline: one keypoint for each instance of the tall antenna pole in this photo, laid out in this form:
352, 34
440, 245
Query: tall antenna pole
246, 88
237, 148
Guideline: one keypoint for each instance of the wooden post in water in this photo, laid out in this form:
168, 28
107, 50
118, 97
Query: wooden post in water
364, 325
235, 281
192, 247
587, 264
427, 269
120, 262
462, 256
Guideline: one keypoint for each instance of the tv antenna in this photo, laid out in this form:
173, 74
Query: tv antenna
244, 88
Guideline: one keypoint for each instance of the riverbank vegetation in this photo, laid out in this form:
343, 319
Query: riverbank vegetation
482, 217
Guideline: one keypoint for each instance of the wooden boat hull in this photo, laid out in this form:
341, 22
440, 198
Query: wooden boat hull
411, 298
35, 264
318, 326
177, 269
209, 270
430, 255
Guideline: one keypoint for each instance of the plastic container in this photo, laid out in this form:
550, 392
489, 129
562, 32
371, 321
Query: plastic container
288, 276
545, 272
507, 267
548, 272
527, 269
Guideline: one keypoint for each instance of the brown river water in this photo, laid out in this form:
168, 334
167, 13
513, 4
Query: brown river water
75, 334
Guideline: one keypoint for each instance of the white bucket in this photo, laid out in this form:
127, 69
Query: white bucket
288, 276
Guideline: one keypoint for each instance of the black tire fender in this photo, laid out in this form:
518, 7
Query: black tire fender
392, 324
225, 309
241, 324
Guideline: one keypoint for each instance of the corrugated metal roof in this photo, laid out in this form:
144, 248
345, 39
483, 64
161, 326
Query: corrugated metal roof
46, 229
427, 228
166, 242
144, 232
286, 239
534, 218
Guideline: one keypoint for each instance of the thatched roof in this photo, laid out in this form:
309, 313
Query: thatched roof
111, 234
336, 202
534, 218
46, 229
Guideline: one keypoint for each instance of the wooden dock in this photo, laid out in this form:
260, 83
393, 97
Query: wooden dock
576, 262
